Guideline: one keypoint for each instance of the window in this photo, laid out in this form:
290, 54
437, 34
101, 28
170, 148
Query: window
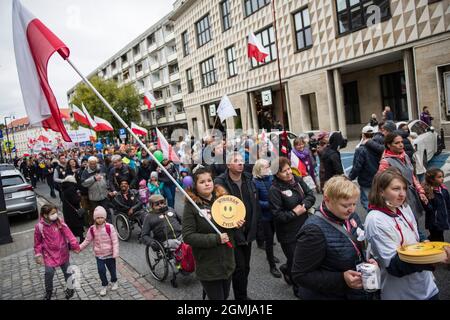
151, 40
393, 92
203, 31
185, 40
251, 6
353, 15
267, 39
179, 108
124, 58
136, 50
160, 113
139, 67
226, 15
158, 94
126, 75
230, 54
208, 70
173, 68
303, 34
351, 103
190, 81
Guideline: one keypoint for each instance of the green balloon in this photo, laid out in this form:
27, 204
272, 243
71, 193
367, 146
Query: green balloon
159, 156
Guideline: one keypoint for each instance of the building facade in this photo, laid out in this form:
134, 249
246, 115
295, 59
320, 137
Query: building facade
340, 61
20, 132
150, 63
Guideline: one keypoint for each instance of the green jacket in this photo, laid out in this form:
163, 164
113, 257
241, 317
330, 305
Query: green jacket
214, 261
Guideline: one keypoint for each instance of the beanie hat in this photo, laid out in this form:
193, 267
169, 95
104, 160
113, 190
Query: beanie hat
389, 126
154, 174
156, 197
99, 212
142, 183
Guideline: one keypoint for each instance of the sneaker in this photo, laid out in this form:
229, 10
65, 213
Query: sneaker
103, 291
115, 286
69, 293
274, 271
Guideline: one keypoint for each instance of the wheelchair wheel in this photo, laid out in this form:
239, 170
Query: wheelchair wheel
157, 261
123, 227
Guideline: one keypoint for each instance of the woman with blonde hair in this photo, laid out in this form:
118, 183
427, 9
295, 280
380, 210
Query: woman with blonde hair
329, 247
262, 178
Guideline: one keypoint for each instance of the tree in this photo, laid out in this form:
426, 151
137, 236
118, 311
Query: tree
125, 101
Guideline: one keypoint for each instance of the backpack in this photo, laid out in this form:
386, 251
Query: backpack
107, 227
185, 257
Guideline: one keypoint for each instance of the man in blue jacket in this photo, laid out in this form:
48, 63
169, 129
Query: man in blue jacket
365, 166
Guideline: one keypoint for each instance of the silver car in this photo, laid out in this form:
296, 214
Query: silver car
20, 197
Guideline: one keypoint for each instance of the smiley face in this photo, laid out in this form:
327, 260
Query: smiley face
227, 211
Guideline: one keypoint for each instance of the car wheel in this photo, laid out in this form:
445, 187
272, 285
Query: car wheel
34, 215
425, 159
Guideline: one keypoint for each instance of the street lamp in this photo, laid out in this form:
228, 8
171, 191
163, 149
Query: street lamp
14, 139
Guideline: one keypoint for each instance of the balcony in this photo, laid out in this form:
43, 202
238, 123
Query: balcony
141, 91
177, 97
170, 37
125, 65
157, 84
174, 77
159, 102
114, 71
172, 57
143, 107
180, 116
139, 74
162, 120
155, 66
152, 47
137, 57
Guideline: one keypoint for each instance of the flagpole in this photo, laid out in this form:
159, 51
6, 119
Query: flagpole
116, 115
279, 74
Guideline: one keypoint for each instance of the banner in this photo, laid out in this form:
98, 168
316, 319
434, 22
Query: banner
80, 135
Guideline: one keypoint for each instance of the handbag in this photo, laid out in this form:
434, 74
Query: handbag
79, 212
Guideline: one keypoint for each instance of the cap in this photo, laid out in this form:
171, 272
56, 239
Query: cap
156, 197
368, 129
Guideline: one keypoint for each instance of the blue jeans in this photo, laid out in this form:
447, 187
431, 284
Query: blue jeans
111, 265
169, 193
364, 197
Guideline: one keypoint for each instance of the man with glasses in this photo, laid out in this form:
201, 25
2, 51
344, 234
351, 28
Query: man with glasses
163, 224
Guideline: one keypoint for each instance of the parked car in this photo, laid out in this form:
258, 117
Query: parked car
426, 143
20, 197
6, 166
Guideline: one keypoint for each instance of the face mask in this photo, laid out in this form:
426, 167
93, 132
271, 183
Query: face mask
162, 210
53, 217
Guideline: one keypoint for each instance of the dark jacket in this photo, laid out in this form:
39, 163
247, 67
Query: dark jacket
162, 177
131, 202
376, 144
143, 173
438, 210
162, 226
263, 186
322, 255
115, 176
71, 204
365, 166
249, 196
283, 198
331, 158
214, 261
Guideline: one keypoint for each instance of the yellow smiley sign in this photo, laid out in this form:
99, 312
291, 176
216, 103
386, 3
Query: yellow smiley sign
227, 211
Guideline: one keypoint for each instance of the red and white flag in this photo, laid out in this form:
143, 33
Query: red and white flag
166, 148
34, 44
102, 125
91, 122
138, 130
149, 100
43, 138
79, 116
255, 49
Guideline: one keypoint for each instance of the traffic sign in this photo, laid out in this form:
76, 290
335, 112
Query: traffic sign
122, 133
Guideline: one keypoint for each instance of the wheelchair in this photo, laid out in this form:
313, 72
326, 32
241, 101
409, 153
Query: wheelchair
125, 224
161, 259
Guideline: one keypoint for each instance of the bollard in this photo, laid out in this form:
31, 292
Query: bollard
442, 146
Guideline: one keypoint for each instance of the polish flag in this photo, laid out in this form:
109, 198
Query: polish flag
79, 116
91, 122
166, 148
255, 49
149, 100
34, 44
138, 130
102, 125
43, 138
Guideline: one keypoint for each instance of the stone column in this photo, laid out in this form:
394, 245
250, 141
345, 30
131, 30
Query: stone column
253, 111
331, 101
411, 93
340, 107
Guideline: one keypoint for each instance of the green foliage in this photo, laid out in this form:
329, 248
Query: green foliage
125, 101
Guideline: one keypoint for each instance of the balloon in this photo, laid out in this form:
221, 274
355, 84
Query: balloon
188, 182
159, 155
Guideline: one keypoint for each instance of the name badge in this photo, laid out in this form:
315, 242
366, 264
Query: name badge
170, 214
288, 193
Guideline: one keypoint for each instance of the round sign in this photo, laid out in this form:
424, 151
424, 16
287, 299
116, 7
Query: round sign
227, 211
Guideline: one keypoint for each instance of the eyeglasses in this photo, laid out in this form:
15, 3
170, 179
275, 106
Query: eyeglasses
159, 203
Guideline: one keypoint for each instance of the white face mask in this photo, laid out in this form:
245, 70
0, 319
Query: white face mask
53, 217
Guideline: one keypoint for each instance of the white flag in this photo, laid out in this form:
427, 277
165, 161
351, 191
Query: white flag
226, 109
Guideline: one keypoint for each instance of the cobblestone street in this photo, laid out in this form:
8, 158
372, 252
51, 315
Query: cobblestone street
23, 279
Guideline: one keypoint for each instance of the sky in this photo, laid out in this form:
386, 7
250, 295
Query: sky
94, 30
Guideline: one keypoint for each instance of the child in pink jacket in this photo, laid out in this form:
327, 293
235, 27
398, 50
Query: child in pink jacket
52, 238
106, 248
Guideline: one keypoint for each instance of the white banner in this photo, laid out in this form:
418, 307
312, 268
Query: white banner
80, 135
